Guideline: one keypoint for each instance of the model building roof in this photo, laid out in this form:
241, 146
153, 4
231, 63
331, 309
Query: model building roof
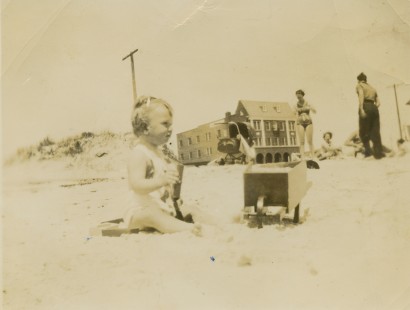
265, 109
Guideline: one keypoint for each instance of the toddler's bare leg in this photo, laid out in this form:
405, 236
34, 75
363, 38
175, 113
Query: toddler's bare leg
156, 218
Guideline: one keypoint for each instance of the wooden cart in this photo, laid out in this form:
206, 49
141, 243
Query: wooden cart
272, 190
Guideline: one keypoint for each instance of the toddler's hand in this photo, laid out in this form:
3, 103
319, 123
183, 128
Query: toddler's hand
171, 175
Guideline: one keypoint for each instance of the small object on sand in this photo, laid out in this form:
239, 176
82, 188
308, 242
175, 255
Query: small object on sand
116, 227
244, 260
402, 147
188, 218
111, 229
101, 154
311, 164
230, 239
212, 258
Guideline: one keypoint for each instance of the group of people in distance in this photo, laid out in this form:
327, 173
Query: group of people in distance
152, 175
365, 142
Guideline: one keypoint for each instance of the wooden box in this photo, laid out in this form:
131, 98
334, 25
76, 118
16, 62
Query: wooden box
276, 185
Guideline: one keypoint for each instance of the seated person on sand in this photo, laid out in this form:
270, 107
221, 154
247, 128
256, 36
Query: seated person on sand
354, 141
150, 176
328, 151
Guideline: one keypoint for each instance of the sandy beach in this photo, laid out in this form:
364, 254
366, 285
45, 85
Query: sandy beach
72, 73
351, 251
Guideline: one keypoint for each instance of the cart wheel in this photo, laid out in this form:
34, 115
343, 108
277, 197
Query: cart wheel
243, 159
259, 209
296, 216
252, 222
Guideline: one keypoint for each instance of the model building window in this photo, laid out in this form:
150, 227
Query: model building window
258, 141
292, 126
275, 126
282, 141
268, 141
219, 133
208, 136
181, 143
189, 141
181, 156
198, 139
293, 140
275, 141
190, 155
199, 153
282, 126
267, 125
257, 125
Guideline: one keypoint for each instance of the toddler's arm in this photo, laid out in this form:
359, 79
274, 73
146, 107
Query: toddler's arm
137, 166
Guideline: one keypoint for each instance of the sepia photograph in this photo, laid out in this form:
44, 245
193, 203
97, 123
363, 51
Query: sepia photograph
205, 154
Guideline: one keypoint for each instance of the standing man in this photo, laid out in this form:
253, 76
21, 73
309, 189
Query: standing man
369, 118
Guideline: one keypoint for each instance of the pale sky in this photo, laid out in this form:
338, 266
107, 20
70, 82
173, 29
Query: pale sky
62, 72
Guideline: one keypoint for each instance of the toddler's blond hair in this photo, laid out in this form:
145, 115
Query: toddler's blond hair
139, 118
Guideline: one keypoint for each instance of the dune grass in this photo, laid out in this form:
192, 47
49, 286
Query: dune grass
71, 146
